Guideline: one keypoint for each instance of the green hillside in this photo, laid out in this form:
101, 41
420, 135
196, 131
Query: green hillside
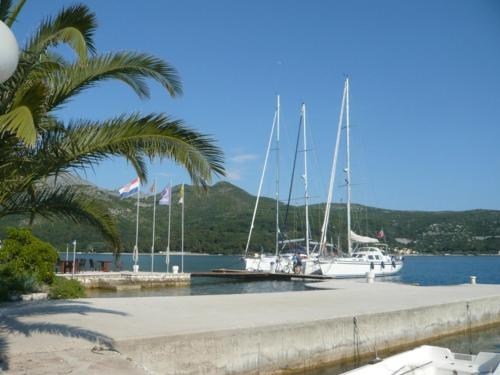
218, 221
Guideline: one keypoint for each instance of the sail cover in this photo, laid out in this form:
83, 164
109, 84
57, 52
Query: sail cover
362, 239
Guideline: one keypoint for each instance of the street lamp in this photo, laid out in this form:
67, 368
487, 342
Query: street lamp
9, 53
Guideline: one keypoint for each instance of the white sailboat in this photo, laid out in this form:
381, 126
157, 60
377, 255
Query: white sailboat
368, 255
431, 360
283, 261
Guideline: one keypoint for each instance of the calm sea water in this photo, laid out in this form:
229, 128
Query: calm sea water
449, 270
199, 285
422, 270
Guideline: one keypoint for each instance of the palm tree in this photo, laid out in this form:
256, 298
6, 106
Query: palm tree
36, 145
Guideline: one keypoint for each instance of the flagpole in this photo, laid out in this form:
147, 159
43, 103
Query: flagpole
135, 254
168, 236
74, 256
182, 232
154, 223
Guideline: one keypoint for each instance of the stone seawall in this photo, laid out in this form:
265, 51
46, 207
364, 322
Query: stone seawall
283, 348
129, 280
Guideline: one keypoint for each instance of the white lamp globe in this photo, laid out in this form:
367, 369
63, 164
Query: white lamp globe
9, 53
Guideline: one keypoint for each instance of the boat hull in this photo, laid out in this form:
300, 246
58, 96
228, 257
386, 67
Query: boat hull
266, 263
432, 360
339, 268
283, 264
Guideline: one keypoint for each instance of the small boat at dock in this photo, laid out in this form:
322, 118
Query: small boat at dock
433, 360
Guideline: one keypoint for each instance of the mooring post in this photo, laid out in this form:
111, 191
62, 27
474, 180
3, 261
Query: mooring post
370, 277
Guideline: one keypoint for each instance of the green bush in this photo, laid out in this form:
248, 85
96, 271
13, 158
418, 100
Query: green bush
63, 288
22, 255
13, 285
26, 263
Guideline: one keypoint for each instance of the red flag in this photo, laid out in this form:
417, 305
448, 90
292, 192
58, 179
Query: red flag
380, 234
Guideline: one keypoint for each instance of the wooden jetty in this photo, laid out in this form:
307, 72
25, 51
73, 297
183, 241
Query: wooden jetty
257, 276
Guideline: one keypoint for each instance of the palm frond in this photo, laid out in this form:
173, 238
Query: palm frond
50, 61
20, 122
74, 26
33, 96
85, 143
35, 145
9, 88
131, 68
64, 203
29, 80
26, 113
5, 6
9, 21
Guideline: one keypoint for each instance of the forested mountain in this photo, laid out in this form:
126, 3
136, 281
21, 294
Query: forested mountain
217, 221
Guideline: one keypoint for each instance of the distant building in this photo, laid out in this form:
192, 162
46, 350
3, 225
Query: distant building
405, 251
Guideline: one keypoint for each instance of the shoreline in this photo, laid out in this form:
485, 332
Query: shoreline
177, 253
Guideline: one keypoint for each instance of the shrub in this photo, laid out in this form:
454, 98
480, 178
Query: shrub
26, 263
63, 288
22, 255
12, 285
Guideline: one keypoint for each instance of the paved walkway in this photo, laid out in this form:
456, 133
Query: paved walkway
64, 328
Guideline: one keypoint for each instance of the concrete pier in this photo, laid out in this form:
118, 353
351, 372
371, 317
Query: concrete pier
129, 280
237, 334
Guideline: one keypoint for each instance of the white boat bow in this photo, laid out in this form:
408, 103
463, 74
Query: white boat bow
433, 360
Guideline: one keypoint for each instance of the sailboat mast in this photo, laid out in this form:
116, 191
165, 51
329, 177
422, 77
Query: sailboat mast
348, 170
306, 194
261, 183
277, 173
324, 228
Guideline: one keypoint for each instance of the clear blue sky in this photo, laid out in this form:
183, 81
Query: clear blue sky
425, 89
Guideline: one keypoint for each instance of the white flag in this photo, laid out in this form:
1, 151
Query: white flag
165, 196
181, 195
